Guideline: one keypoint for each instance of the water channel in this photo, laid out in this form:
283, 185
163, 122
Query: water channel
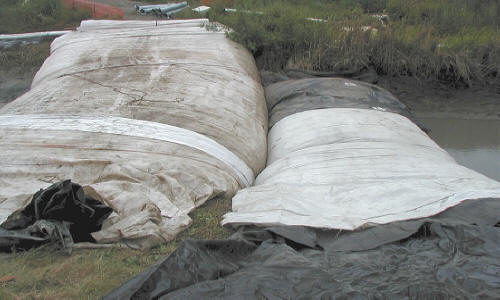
473, 143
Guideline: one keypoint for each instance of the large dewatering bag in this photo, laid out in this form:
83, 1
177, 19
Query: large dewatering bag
351, 168
152, 118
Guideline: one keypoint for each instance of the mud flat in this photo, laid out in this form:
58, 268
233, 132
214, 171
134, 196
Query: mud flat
466, 123
473, 143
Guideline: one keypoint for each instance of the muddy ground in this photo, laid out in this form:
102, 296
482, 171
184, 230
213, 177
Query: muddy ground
431, 99
464, 122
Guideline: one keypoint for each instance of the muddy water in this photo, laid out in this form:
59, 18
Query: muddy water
473, 143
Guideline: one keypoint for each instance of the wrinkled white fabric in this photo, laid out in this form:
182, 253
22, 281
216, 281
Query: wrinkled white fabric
133, 128
154, 119
347, 168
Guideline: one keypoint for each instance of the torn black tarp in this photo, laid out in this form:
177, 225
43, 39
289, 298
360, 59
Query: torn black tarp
453, 255
61, 213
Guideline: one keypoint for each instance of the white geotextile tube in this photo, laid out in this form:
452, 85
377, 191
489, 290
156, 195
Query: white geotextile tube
151, 118
133, 128
347, 169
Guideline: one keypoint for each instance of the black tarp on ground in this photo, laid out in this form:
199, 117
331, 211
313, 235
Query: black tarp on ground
288, 97
61, 213
454, 255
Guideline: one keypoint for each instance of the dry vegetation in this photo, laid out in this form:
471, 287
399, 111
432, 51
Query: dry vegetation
18, 16
452, 41
18, 66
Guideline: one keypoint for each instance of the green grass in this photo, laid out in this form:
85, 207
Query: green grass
90, 274
24, 57
452, 41
18, 66
17, 16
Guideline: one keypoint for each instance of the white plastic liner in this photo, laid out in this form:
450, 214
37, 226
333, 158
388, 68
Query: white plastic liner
201, 9
347, 168
133, 128
153, 118
32, 35
10, 40
170, 72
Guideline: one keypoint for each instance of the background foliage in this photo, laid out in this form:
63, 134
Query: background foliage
453, 41
18, 16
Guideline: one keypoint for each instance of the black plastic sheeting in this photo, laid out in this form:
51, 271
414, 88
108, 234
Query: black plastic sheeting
366, 74
61, 214
288, 97
454, 255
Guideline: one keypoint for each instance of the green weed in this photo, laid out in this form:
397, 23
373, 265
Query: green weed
18, 16
452, 41
25, 56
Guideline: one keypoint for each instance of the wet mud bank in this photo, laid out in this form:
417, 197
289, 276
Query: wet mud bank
466, 123
474, 143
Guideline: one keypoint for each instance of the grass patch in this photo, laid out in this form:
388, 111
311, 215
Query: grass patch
24, 56
90, 274
18, 67
17, 16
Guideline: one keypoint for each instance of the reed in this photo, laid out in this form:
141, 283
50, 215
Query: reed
453, 41
18, 16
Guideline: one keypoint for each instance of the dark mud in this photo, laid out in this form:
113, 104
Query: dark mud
474, 143
465, 122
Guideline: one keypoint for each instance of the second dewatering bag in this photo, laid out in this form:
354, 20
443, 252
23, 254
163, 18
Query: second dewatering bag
348, 165
152, 118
